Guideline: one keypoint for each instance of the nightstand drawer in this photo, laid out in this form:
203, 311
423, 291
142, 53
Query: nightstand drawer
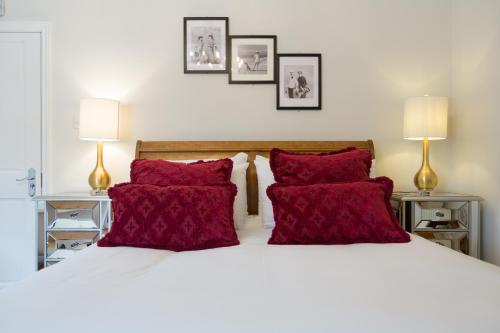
63, 244
64, 215
443, 214
458, 241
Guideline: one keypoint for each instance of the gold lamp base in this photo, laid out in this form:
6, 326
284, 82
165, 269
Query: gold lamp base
99, 178
425, 179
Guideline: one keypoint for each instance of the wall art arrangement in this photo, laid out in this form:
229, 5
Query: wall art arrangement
252, 59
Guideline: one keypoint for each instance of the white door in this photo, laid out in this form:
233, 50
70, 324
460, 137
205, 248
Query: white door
20, 150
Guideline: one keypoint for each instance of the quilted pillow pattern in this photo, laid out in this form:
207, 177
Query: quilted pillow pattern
176, 218
167, 173
343, 213
347, 165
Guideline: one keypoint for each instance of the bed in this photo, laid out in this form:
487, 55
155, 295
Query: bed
254, 287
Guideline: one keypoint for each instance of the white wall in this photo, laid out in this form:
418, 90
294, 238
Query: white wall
375, 54
475, 116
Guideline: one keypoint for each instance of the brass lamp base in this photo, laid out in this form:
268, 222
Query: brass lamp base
425, 179
99, 178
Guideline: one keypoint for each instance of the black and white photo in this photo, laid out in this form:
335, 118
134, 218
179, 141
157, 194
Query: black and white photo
252, 59
205, 44
299, 82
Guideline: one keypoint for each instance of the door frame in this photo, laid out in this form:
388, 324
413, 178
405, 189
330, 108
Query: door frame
43, 28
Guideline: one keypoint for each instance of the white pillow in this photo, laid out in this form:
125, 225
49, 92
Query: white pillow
372, 170
237, 159
265, 178
239, 178
240, 158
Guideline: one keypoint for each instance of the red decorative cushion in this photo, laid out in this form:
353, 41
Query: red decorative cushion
167, 173
345, 165
177, 218
342, 213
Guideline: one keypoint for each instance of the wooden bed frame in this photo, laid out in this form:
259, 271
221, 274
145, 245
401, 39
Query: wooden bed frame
191, 150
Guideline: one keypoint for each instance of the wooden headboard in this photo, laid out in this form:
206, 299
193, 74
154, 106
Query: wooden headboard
191, 150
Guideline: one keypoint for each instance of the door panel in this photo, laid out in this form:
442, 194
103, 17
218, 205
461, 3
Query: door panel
20, 149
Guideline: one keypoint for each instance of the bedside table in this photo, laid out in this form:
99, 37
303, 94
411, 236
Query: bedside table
72, 222
451, 220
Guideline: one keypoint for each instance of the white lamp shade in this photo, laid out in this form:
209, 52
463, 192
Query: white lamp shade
426, 117
99, 119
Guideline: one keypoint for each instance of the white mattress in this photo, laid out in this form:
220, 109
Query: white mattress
255, 287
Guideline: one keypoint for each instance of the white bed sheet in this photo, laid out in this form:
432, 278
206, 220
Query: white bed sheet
255, 287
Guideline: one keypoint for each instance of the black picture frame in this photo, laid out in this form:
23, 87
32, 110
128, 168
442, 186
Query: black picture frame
274, 40
226, 43
279, 85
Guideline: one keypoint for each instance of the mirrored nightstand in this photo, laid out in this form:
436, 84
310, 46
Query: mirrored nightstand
448, 219
72, 222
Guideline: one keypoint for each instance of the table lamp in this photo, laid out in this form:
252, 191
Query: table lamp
425, 118
99, 122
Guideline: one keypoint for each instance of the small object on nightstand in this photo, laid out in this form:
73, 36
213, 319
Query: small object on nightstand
72, 222
448, 219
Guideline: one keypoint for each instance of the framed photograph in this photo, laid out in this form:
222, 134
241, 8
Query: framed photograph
299, 81
205, 44
252, 58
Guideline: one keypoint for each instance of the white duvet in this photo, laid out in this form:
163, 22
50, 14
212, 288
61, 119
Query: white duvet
255, 287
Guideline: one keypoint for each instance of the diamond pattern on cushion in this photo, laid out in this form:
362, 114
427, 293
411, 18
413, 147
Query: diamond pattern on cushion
345, 165
342, 213
167, 173
177, 218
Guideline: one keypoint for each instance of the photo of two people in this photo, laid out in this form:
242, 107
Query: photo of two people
206, 41
298, 82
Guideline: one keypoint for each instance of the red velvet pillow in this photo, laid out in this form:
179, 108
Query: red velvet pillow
177, 218
166, 173
347, 165
342, 213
